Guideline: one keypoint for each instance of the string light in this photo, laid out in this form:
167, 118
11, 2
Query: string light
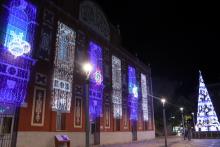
63, 71
133, 93
15, 72
207, 119
96, 81
116, 87
144, 97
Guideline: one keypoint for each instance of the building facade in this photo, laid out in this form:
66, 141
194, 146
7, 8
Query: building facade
42, 85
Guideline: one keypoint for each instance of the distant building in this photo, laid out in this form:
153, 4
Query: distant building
43, 45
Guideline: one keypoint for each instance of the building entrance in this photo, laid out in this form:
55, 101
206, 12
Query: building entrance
134, 130
95, 132
8, 126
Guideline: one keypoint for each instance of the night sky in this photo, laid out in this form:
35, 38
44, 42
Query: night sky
177, 38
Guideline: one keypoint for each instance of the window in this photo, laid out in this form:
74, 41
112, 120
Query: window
117, 124
5, 124
60, 121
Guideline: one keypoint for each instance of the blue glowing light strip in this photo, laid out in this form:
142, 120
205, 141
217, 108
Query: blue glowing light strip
96, 87
132, 90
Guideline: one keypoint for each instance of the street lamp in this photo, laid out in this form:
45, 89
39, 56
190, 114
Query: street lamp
87, 68
181, 109
193, 120
164, 121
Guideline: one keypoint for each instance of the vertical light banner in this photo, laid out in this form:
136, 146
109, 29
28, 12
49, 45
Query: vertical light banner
96, 81
21, 27
144, 97
63, 68
116, 87
15, 72
132, 93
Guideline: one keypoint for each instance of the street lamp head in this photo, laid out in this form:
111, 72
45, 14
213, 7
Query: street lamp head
87, 68
192, 113
163, 101
181, 109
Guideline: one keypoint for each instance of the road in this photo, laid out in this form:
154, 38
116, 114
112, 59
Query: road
172, 142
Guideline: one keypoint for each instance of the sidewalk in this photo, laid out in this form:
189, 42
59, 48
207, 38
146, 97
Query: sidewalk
173, 141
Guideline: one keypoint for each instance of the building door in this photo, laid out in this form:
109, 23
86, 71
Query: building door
134, 130
6, 130
8, 125
92, 132
95, 132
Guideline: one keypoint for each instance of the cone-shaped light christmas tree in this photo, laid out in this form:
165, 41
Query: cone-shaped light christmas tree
206, 116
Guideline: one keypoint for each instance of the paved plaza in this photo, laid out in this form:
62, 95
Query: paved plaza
172, 142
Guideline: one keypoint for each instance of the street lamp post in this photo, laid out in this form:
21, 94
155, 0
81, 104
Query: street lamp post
181, 109
193, 120
87, 69
164, 121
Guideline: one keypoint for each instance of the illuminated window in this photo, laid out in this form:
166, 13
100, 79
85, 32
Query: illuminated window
96, 81
117, 87
144, 97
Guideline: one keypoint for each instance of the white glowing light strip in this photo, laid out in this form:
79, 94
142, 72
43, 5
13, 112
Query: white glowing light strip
144, 97
116, 86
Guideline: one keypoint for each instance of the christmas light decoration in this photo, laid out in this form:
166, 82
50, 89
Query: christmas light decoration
15, 72
207, 119
17, 46
144, 97
96, 82
14, 79
116, 87
98, 77
20, 27
133, 93
63, 70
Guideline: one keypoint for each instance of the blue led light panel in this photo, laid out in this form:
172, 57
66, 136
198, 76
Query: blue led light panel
133, 93
96, 81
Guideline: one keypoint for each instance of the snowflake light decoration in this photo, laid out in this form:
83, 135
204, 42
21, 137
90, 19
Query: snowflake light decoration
98, 77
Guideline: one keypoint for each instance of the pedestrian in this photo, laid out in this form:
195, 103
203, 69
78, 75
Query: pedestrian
185, 132
189, 131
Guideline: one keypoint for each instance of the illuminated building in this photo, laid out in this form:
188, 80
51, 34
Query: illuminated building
43, 46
